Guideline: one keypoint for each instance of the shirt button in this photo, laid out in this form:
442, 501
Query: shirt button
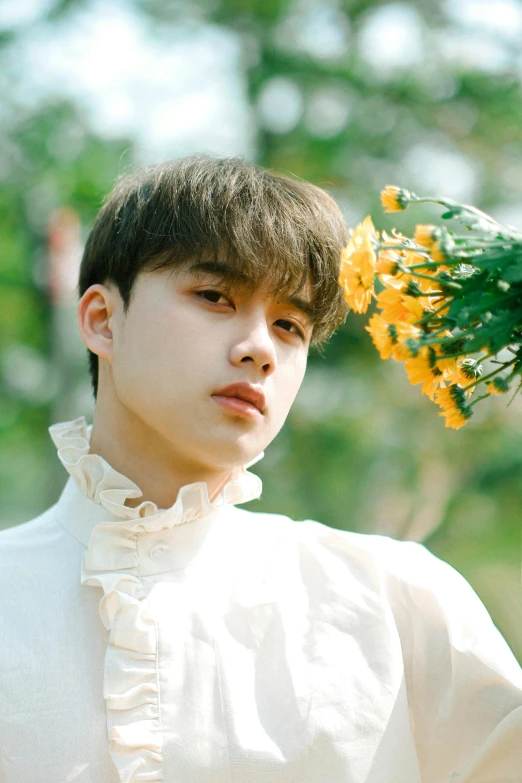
158, 550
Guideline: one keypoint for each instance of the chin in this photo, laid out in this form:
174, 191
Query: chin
226, 456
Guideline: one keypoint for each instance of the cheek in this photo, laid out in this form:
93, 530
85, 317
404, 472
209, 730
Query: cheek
290, 383
145, 351
297, 378
141, 343
160, 353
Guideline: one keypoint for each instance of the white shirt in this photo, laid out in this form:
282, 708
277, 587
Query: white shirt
209, 644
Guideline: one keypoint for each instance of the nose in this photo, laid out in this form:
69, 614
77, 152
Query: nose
254, 344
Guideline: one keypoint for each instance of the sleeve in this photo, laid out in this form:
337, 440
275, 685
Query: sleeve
464, 683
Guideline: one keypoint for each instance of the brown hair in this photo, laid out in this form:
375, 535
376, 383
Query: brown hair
268, 226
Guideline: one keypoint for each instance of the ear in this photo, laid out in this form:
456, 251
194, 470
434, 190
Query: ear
96, 312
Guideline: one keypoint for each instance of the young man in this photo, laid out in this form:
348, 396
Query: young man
153, 631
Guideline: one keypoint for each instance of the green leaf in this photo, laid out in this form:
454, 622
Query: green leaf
513, 274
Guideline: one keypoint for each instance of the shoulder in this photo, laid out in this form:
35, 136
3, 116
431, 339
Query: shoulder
405, 573
340, 555
28, 534
327, 541
372, 552
407, 562
411, 576
29, 551
433, 605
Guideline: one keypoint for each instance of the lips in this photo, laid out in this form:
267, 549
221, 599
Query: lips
246, 392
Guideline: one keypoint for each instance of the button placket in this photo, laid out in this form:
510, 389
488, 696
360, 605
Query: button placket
158, 550
171, 548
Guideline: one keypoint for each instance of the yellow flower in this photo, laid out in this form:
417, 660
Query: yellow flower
453, 373
442, 304
443, 363
390, 302
395, 238
387, 262
383, 335
454, 409
412, 258
394, 199
454, 418
438, 253
358, 290
404, 350
358, 267
423, 369
415, 257
492, 389
425, 235
497, 386
396, 305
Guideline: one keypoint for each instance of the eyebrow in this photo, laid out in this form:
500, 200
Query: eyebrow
231, 275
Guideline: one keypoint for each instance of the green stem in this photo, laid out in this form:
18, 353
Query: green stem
424, 277
478, 399
485, 243
439, 331
515, 394
476, 312
429, 316
460, 355
487, 377
431, 293
445, 283
420, 250
430, 264
449, 203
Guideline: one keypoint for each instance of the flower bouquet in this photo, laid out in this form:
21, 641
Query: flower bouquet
447, 301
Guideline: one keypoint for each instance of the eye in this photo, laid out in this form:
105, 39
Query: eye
292, 326
212, 296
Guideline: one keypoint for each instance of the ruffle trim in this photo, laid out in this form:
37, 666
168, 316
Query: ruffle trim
100, 482
131, 686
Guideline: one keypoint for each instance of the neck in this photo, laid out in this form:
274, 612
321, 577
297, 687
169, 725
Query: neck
147, 458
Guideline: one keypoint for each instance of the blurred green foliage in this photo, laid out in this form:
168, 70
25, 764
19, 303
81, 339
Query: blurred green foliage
362, 450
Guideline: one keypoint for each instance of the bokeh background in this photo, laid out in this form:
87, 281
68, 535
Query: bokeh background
351, 95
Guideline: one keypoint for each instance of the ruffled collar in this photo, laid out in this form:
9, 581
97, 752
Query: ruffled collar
124, 544
110, 489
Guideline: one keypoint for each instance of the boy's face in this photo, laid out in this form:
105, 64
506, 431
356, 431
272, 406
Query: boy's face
183, 339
